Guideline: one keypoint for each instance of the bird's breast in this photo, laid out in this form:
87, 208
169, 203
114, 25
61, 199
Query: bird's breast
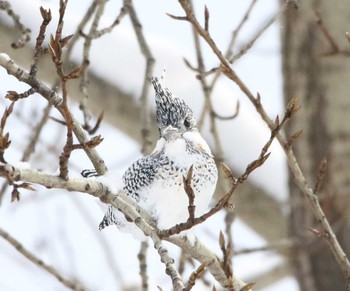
165, 197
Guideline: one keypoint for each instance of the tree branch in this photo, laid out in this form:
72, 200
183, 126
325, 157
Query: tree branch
40, 263
52, 97
130, 209
299, 177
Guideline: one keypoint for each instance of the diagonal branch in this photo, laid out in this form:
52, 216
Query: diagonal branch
40, 263
299, 177
150, 61
25, 37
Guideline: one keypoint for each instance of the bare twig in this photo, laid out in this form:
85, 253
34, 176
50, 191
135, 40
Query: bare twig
208, 105
103, 242
271, 21
347, 35
29, 149
150, 61
46, 15
320, 177
14, 96
92, 34
80, 27
101, 32
279, 245
189, 191
25, 37
5, 138
235, 33
86, 60
52, 97
233, 116
206, 18
143, 265
182, 262
226, 264
335, 50
229, 219
92, 129
40, 263
292, 139
201, 253
55, 50
197, 274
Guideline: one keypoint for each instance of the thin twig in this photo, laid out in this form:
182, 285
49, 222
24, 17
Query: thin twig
14, 96
40, 263
143, 265
320, 177
182, 262
227, 264
55, 50
86, 61
260, 32
150, 61
5, 137
47, 17
283, 244
335, 50
104, 245
208, 105
25, 37
93, 33
239, 27
90, 129
233, 116
201, 253
29, 149
229, 219
206, 18
87, 15
52, 97
197, 274
101, 32
190, 194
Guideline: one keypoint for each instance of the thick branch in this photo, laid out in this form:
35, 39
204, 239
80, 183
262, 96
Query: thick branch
99, 190
120, 201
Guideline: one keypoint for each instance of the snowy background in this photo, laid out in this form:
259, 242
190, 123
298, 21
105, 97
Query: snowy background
62, 228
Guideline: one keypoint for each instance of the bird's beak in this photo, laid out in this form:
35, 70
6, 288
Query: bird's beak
170, 132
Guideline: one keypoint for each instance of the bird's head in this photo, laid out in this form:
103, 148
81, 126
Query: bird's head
174, 117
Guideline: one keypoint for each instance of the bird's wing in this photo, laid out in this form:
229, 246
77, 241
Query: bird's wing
141, 174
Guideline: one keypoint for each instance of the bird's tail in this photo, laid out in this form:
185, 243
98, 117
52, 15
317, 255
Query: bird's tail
108, 219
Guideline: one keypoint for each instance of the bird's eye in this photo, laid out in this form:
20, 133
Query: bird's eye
187, 123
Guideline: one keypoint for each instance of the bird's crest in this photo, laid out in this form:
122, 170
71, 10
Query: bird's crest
171, 110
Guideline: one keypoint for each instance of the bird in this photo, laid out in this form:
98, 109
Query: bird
155, 182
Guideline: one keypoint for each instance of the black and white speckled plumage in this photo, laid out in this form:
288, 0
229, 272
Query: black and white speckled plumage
155, 182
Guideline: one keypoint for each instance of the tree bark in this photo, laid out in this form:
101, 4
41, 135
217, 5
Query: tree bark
316, 73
